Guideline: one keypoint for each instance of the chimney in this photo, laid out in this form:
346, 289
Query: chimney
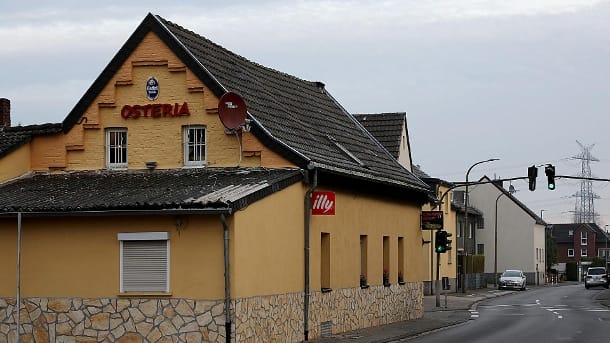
5, 112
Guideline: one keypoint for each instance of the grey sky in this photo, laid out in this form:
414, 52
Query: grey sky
519, 80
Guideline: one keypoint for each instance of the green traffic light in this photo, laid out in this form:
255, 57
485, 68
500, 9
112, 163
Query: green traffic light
440, 249
551, 186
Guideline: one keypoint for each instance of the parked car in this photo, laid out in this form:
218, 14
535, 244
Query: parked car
512, 279
596, 276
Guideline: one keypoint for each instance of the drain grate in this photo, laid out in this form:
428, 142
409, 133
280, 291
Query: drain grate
326, 329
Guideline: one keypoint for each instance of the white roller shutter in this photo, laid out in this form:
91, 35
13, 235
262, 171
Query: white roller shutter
144, 266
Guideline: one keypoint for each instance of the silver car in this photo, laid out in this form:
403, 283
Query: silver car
596, 276
512, 279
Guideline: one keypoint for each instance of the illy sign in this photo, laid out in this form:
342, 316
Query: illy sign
323, 203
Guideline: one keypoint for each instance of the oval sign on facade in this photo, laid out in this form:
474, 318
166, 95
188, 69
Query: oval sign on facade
152, 88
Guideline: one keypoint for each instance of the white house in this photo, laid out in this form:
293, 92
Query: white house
520, 233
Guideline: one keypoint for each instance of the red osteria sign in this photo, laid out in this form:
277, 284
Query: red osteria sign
155, 111
323, 203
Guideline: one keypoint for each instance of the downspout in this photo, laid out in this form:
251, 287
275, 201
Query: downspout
225, 228
312, 187
18, 305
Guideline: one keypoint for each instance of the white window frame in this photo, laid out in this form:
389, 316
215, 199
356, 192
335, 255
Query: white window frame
144, 238
570, 252
200, 147
120, 148
583, 238
583, 252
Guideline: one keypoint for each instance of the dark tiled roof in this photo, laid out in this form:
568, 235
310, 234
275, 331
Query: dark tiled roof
13, 137
561, 232
298, 119
420, 173
386, 128
210, 188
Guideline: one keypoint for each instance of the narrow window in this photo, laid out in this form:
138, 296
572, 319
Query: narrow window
401, 259
194, 145
386, 260
144, 262
570, 252
363, 260
325, 261
583, 238
480, 249
583, 252
116, 148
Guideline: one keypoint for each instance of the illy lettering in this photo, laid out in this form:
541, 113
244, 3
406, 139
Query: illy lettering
323, 203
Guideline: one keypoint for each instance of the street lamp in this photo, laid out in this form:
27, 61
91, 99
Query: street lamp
467, 231
511, 190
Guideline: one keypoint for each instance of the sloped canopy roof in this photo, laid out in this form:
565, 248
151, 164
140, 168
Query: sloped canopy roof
13, 137
213, 189
298, 119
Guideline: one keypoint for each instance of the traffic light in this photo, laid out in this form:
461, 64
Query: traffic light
549, 170
442, 243
532, 174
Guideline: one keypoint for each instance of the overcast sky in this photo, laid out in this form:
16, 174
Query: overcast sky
519, 80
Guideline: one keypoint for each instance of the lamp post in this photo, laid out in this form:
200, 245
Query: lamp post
511, 190
467, 231
606, 254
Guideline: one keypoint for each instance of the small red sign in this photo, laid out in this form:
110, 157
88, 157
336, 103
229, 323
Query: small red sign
323, 203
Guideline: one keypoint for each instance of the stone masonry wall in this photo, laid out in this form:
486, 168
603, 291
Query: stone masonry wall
65, 320
274, 318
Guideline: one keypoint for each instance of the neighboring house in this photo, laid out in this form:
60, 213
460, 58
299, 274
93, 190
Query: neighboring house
577, 240
520, 232
391, 130
142, 218
465, 242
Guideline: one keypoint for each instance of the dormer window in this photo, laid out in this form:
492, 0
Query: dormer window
194, 145
116, 148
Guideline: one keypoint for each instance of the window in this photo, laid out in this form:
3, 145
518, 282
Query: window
194, 145
480, 249
325, 261
144, 262
386, 260
571, 233
480, 224
583, 252
570, 252
116, 148
363, 259
583, 238
401, 259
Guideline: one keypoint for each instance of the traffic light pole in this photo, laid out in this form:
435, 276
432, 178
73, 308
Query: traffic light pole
437, 285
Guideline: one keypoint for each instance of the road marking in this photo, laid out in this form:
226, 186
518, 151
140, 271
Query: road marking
474, 314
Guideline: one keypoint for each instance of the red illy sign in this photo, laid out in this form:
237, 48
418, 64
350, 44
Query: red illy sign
323, 203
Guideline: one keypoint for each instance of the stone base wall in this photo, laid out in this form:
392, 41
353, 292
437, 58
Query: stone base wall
355, 308
65, 320
274, 318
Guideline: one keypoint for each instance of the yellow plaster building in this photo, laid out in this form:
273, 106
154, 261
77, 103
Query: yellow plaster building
142, 217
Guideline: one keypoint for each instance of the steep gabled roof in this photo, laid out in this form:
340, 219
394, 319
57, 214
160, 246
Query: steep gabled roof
298, 119
386, 128
561, 232
11, 138
228, 189
515, 200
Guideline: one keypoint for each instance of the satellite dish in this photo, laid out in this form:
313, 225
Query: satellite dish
232, 110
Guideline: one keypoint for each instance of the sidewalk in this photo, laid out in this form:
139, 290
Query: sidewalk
435, 318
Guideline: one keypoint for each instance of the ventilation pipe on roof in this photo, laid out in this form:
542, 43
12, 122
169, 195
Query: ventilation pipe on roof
314, 183
225, 228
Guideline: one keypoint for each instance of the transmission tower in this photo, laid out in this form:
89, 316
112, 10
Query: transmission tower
584, 209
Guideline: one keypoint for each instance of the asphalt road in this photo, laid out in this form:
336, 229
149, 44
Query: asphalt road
553, 314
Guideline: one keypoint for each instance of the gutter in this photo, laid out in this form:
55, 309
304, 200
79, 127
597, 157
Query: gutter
222, 210
307, 230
